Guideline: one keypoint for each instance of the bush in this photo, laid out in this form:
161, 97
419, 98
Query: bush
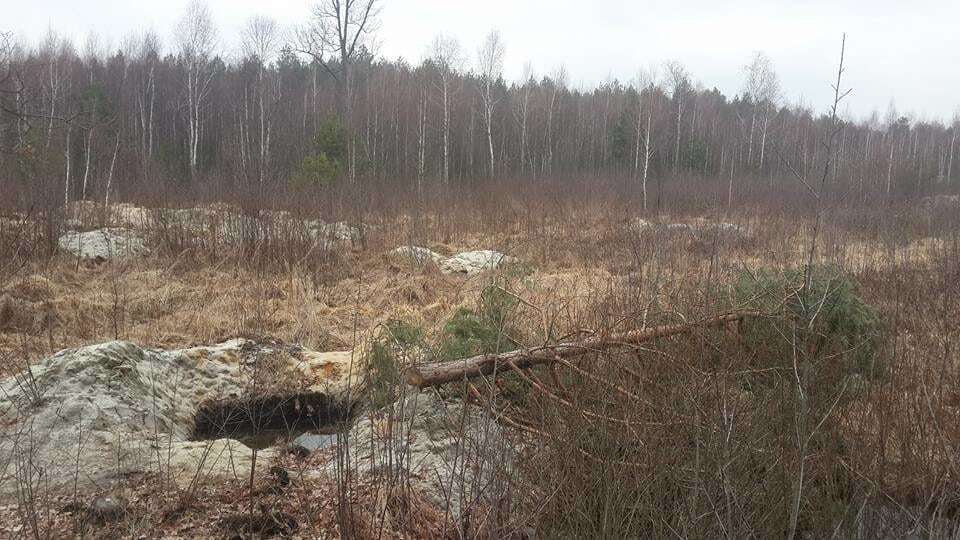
496, 305
395, 341
481, 331
468, 334
316, 170
830, 323
403, 333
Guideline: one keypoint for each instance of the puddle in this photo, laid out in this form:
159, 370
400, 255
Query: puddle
309, 439
316, 441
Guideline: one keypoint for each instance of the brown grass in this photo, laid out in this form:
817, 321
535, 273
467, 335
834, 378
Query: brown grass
707, 454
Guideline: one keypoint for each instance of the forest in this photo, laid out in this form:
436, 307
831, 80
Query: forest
283, 111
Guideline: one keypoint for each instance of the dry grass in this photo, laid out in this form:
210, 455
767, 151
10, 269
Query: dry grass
183, 299
710, 455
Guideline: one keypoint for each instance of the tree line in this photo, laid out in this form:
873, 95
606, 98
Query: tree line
316, 107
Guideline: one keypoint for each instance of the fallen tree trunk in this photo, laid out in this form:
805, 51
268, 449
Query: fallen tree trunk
437, 373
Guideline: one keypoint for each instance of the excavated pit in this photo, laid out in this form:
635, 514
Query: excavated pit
263, 421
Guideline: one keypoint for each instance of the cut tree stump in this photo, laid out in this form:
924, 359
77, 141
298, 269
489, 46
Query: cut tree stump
438, 373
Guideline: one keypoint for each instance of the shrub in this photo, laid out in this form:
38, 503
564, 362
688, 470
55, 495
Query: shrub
828, 321
496, 305
403, 333
316, 170
481, 331
468, 334
396, 340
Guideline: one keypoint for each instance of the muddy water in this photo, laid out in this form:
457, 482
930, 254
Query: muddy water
312, 439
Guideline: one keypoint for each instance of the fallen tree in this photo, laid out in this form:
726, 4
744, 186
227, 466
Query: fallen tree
437, 373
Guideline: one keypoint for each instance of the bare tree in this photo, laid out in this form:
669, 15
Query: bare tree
421, 139
54, 52
196, 39
10, 117
836, 126
261, 39
646, 84
871, 124
6, 77
93, 53
341, 28
523, 109
953, 143
94, 50
678, 81
56, 55
447, 58
891, 121
559, 80
146, 51
762, 87
490, 64
6, 52
804, 435
261, 42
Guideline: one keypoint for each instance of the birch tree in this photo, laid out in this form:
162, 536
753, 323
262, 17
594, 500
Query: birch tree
196, 39
762, 88
953, 144
421, 139
58, 53
522, 111
261, 42
490, 64
144, 50
6, 91
447, 57
646, 85
891, 128
93, 104
678, 81
54, 52
871, 124
558, 85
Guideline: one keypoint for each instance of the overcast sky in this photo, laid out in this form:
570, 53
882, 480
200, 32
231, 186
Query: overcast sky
907, 51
